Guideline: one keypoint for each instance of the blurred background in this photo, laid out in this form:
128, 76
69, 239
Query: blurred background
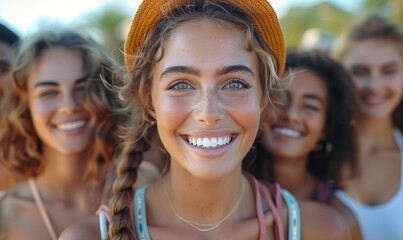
303, 22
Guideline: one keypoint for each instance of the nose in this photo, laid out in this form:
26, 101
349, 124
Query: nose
69, 104
373, 83
209, 108
291, 113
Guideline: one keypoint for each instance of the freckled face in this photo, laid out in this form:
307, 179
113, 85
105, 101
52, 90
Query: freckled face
56, 89
377, 70
206, 95
302, 122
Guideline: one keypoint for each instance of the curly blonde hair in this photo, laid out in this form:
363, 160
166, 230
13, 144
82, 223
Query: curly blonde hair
20, 146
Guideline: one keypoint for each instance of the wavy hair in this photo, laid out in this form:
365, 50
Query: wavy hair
20, 146
340, 130
135, 95
373, 28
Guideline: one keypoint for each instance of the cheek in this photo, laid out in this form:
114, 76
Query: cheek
170, 112
359, 83
397, 83
40, 111
247, 113
317, 125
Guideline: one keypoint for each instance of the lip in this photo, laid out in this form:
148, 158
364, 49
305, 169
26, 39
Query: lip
373, 100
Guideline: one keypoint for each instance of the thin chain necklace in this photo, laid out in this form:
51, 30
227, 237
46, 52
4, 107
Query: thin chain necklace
205, 227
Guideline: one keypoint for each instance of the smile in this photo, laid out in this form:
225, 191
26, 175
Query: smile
205, 142
287, 132
71, 125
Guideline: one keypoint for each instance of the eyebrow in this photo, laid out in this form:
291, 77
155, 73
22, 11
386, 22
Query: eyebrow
4, 62
390, 63
51, 83
313, 96
196, 72
180, 69
235, 68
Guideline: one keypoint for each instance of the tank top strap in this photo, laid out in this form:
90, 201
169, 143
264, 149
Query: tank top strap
265, 191
104, 216
294, 218
42, 209
261, 191
140, 216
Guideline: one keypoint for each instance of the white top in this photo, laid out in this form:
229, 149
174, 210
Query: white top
384, 221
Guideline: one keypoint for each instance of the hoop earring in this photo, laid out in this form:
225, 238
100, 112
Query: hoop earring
324, 146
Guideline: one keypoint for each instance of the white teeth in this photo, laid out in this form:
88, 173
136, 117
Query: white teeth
287, 132
209, 142
71, 125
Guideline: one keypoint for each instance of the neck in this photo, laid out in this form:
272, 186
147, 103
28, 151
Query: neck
292, 174
63, 174
204, 201
375, 127
375, 134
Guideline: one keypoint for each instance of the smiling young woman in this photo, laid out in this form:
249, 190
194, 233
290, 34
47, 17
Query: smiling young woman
202, 71
372, 52
311, 144
58, 131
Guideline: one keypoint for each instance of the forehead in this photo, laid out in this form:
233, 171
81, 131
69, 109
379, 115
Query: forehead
373, 52
6, 52
303, 81
57, 64
206, 43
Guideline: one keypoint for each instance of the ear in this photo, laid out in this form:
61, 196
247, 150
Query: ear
150, 106
151, 111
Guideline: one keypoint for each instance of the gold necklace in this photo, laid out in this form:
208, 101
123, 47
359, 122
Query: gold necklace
205, 227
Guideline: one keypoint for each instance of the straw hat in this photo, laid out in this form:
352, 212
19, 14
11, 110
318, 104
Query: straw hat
260, 12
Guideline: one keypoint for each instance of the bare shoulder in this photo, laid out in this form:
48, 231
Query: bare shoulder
320, 221
15, 200
86, 229
348, 217
15, 204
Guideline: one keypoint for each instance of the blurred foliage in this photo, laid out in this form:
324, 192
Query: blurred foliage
322, 16
110, 22
392, 9
329, 17
109, 25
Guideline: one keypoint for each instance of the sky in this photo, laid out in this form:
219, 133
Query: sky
25, 16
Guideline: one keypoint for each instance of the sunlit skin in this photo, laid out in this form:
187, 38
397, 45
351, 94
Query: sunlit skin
379, 79
295, 132
376, 67
206, 87
56, 91
301, 122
